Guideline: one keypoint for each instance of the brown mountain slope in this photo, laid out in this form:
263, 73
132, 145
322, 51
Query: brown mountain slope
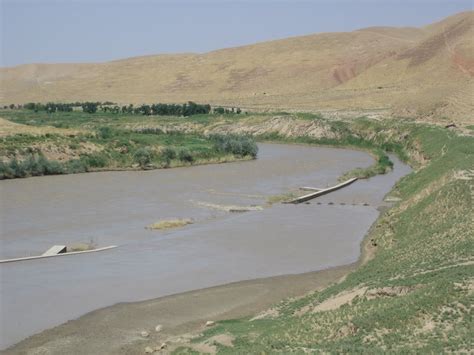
427, 72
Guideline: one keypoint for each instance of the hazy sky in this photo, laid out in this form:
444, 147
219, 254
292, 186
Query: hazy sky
50, 31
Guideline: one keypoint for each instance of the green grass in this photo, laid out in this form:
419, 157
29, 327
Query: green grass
77, 119
108, 142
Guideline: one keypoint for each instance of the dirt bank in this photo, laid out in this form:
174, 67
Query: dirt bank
117, 329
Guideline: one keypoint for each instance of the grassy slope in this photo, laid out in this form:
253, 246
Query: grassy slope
416, 293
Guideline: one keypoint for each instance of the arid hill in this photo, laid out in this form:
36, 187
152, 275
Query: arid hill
416, 72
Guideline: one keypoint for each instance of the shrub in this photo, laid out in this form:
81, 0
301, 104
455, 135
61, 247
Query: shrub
385, 162
105, 132
143, 157
18, 168
168, 154
185, 156
53, 168
96, 160
74, 145
235, 144
33, 165
6, 172
77, 166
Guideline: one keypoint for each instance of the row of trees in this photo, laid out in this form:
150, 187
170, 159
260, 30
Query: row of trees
89, 107
226, 111
187, 109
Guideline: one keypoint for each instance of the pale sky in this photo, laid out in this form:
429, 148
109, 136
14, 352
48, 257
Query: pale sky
53, 31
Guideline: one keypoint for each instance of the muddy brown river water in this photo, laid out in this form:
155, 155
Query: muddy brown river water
220, 247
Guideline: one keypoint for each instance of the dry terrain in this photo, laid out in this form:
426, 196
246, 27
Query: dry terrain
416, 72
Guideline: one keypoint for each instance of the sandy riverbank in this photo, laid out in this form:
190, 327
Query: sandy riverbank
117, 329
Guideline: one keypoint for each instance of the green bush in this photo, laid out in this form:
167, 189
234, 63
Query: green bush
53, 167
185, 156
6, 172
235, 144
18, 168
168, 154
32, 165
74, 146
143, 157
96, 160
105, 132
384, 163
35, 166
77, 166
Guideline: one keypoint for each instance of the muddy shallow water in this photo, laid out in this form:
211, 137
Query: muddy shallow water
220, 247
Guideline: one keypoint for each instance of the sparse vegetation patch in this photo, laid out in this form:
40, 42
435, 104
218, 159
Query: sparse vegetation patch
169, 224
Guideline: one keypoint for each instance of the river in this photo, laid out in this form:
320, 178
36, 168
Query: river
219, 247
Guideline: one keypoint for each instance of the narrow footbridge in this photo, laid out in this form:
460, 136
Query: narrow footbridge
319, 192
56, 251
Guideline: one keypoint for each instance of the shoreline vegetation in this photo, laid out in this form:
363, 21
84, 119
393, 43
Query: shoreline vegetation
411, 289
35, 163
100, 147
113, 141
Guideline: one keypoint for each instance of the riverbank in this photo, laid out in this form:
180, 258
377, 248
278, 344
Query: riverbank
113, 208
117, 329
418, 274
76, 142
30, 148
414, 293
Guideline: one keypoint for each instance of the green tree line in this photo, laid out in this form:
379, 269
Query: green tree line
160, 109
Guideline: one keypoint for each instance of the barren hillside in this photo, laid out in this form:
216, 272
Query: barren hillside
424, 72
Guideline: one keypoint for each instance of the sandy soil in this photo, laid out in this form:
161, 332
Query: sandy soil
118, 329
